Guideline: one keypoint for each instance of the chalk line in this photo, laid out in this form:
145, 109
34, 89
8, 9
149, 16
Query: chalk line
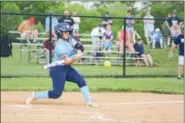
71, 114
142, 103
93, 116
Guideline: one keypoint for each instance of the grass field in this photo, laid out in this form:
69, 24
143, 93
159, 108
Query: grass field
11, 67
158, 85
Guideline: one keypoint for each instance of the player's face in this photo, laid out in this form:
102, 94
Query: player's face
129, 12
65, 35
66, 13
173, 14
108, 27
140, 42
148, 13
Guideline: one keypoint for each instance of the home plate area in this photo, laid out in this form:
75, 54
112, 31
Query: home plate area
114, 107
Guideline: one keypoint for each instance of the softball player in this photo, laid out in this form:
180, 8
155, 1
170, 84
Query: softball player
179, 41
64, 50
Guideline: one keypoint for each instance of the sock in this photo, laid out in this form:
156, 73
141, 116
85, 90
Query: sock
39, 95
86, 94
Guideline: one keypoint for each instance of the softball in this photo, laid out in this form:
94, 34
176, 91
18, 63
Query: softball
107, 64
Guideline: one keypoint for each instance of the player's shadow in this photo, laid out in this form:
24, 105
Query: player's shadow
48, 102
56, 102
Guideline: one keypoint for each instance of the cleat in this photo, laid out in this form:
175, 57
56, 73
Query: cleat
93, 105
30, 99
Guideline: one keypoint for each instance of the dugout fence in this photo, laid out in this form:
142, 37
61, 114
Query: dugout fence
27, 58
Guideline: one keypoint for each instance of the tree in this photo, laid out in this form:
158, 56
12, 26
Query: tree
10, 22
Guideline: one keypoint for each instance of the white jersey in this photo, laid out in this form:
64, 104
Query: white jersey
96, 32
149, 24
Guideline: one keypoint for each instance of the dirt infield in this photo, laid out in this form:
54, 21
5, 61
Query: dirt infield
114, 107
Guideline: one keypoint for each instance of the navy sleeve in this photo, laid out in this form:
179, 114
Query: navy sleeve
142, 50
179, 20
135, 46
177, 40
169, 20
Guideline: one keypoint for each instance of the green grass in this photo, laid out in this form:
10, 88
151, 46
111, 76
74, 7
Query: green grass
158, 85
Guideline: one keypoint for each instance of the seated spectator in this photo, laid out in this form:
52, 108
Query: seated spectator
27, 31
138, 46
157, 37
46, 48
96, 38
106, 20
120, 37
107, 39
54, 23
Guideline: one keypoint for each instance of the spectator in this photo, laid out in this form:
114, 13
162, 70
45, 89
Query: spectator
66, 18
46, 49
96, 38
76, 28
121, 36
27, 31
107, 38
77, 21
157, 37
175, 31
106, 20
173, 24
129, 23
179, 41
138, 46
148, 26
54, 24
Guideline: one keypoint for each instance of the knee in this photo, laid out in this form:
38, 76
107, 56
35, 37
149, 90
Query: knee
82, 83
54, 94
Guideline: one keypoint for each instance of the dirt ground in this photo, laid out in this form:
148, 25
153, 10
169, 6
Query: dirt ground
114, 107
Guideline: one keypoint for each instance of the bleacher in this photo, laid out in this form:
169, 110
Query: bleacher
35, 51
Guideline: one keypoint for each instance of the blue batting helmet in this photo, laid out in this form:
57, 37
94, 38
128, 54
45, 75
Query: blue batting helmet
62, 27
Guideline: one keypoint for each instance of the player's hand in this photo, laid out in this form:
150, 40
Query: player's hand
79, 55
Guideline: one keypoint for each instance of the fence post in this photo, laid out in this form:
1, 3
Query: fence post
50, 38
124, 49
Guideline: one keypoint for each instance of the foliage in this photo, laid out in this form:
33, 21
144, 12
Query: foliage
10, 22
116, 9
39, 27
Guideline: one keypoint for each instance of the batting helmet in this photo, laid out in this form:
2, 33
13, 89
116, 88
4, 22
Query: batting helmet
62, 27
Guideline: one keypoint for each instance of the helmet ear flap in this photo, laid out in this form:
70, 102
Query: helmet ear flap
58, 33
62, 27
